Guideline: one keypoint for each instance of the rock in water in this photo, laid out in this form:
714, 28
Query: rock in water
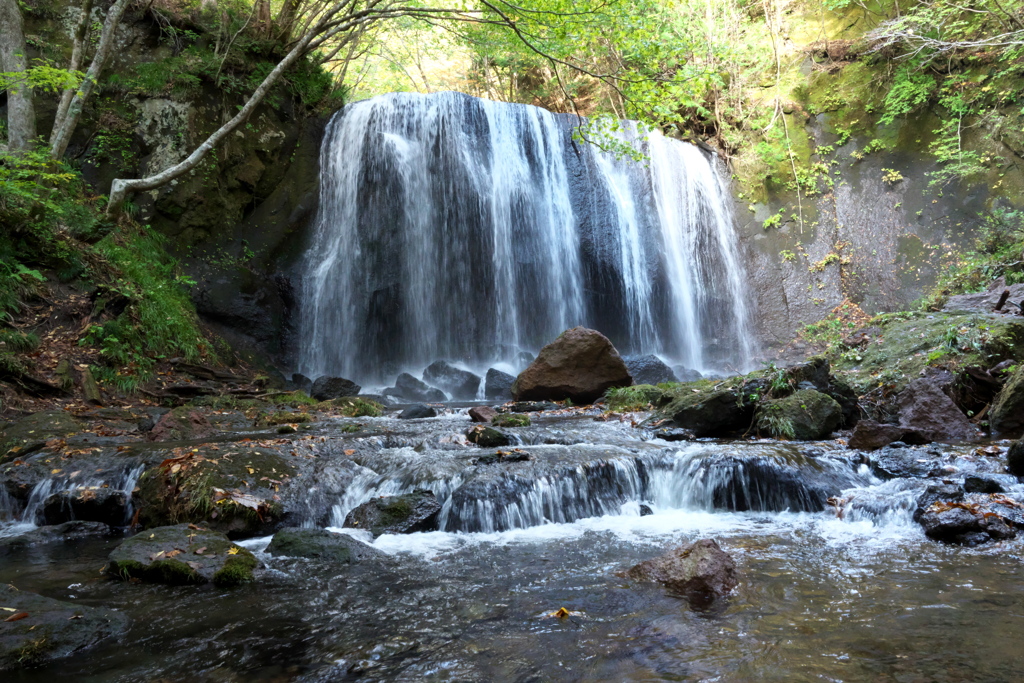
321, 544
411, 389
68, 531
488, 437
182, 554
1007, 416
580, 365
417, 412
870, 436
649, 370
498, 385
482, 414
102, 505
699, 572
1015, 458
805, 415
29, 434
181, 424
329, 388
461, 385
924, 406
405, 514
52, 629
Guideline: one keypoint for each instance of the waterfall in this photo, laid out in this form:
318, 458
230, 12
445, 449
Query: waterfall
457, 228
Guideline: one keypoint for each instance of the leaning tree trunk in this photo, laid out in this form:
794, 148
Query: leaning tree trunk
62, 135
77, 56
21, 115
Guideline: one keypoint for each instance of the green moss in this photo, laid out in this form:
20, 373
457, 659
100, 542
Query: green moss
282, 418
236, 571
511, 420
351, 406
636, 397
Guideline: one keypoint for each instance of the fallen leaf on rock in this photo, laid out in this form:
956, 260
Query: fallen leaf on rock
16, 617
562, 613
9, 609
350, 451
200, 551
174, 553
155, 556
233, 551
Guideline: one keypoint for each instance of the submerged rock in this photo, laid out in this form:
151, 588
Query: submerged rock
528, 407
68, 531
417, 412
649, 370
805, 415
700, 572
182, 554
329, 388
51, 629
1007, 415
405, 514
412, 389
580, 365
461, 385
498, 385
321, 544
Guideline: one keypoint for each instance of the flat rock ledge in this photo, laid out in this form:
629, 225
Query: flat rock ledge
180, 555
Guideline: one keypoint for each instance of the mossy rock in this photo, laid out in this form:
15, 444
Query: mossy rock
805, 415
321, 544
231, 489
53, 628
1007, 416
353, 406
285, 417
31, 433
180, 555
405, 514
710, 408
511, 420
488, 437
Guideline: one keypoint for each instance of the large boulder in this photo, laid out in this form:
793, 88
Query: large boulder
1015, 458
418, 411
329, 388
405, 514
580, 365
1007, 415
869, 435
498, 385
699, 572
412, 389
51, 629
320, 544
649, 370
461, 385
924, 406
180, 555
804, 416
707, 411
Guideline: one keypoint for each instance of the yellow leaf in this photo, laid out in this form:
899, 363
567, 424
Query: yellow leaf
9, 609
56, 471
233, 551
562, 613
251, 470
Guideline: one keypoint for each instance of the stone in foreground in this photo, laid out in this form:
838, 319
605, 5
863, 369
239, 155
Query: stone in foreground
320, 544
807, 415
329, 388
580, 365
180, 555
405, 514
51, 630
699, 572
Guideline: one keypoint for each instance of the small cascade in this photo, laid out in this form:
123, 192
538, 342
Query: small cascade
9, 507
451, 227
93, 498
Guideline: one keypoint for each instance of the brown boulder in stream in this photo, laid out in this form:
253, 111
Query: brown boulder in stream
699, 572
580, 365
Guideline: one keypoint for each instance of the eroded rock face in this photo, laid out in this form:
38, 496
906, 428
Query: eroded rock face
405, 514
52, 629
329, 388
700, 572
102, 505
181, 424
1007, 415
180, 555
580, 365
924, 406
461, 385
321, 544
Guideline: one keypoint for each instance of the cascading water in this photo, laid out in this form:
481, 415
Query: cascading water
457, 228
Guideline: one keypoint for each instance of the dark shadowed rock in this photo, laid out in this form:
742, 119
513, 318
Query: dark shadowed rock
405, 514
90, 505
498, 385
700, 572
938, 493
53, 628
950, 525
1007, 415
461, 385
870, 436
528, 407
670, 434
320, 544
1015, 458
482, 414
412, 389
816, 371
645, 510
580, 365
710, 412
649, 370
31, 433
329, 388
417, 412
182, 554
976, 484
488, 437
924, 406
301, 382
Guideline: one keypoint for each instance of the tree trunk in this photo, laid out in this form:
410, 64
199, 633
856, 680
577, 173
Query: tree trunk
286, 17
120, 188
62, 136
21, 115
77, 55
